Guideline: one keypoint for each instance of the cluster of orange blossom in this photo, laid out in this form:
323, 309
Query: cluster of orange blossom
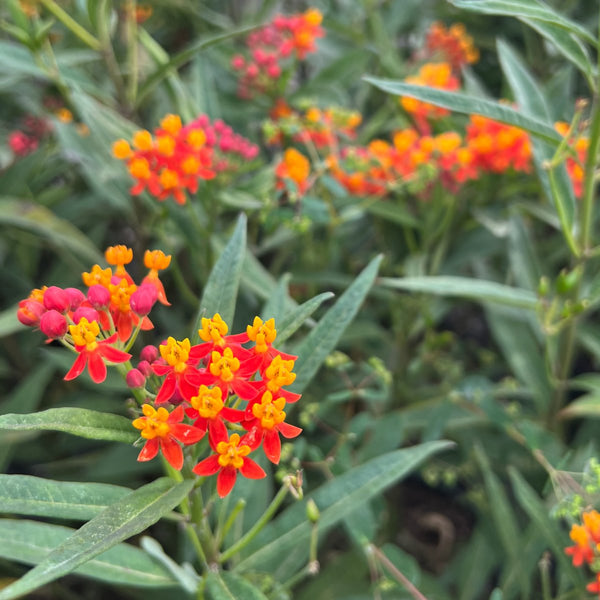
586, 549
260, 69
415, 156
204, 384
177, 157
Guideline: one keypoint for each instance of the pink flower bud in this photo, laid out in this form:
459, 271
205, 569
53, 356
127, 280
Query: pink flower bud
143, 299
98, 296
56, 298
30, 311
53, 324
145, 368
76, 297
91, 314
238, 62
273, 71
135, 379
149, 354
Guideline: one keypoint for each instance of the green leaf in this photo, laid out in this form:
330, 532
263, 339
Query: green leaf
9, 322
336, 499
322, 340
30, 542
221, 289
525, 10
187, 578
39, 220
464, 287
395, 213
295, 318
470, 105
26, 495
227, 586
77, 421
127, 517
587, 405
548, 528
277, 302
532, 102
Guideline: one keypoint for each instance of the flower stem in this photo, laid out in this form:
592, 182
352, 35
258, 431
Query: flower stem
251, 534
83, 34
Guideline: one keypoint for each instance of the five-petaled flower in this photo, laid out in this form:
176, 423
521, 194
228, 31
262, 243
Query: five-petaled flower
231, 457
163, 430
179, 368
92, 352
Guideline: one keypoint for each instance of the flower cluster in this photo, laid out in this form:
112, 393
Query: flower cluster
284, 38
102, 324
294, 167
586, 549
453, 44
26, 139
579, 145
207, 383
176, 158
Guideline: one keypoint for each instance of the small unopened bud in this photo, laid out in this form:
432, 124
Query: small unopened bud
76, 297
56, 298
135, 379
145, 368
149, 353
53, 324
29, 312
543, 287
143, 299
89, 313
312, 511
98, 296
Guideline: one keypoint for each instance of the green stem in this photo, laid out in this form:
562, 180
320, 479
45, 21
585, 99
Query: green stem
132, 52
251, 534
233, 515
83, 34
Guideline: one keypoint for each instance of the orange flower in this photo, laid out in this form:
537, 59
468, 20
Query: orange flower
294, 166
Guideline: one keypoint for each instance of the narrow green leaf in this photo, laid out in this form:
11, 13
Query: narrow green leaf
525, 10
221, 289
336, 499
470, 105
548, 528
277, 302
77, 421
187, 577
9, 322
395, 213
123, 519
532, 102
503, 516
587, 405
464, 287
295, 318
30, 542
26, 495
228, 586
322, 340
38, 219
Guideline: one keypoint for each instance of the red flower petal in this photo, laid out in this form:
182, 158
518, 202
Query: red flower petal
176, 415
226, 480
149, 451
271, 446
172, 452
167, 389
112, 354
78, 367
186, 433
289, 431
161, 370
208, 466
243, 389
251, 470
96, 367
233, 415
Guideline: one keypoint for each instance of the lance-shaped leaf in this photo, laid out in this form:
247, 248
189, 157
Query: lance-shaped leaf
77, 421
221, 289
295, 318
27, 495
30, 542
336, 500
227, 586
470, 105
321, 341
127, 517
464, 287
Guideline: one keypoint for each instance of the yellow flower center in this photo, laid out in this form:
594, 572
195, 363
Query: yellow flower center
165, 145
213, 329
268, 411
171, 124
169, 179
196, 138
142, 140
120, 294
85, 334
262, 333
279, 373
176, 353
154, 422
121, 149
118, 255
231, 454
97, 275
208, 402
156, 260
139, 168
224, 365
